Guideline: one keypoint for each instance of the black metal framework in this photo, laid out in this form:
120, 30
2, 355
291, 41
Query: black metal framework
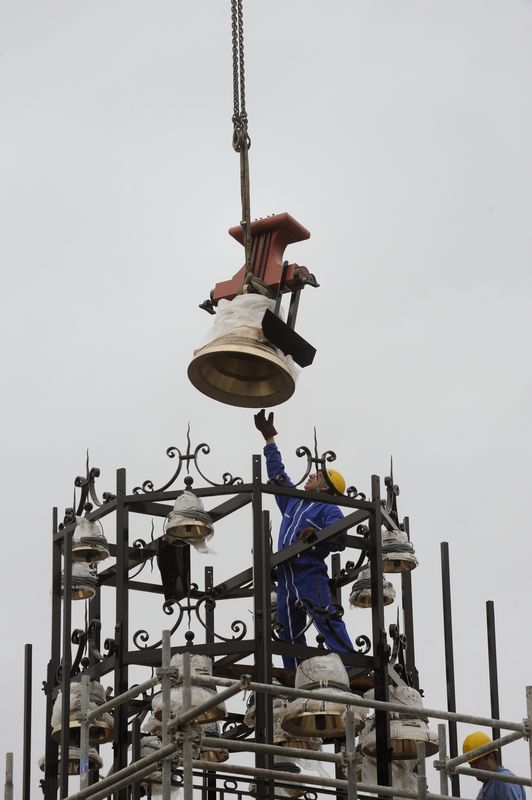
243, 651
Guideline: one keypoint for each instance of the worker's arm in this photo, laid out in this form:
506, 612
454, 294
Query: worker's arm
274, 463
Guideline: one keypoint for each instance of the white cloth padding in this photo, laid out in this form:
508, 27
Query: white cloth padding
318, 669
199, 694
199, 665
361, 591
403, 773
241, 317
96, 698
87, 529
406, 724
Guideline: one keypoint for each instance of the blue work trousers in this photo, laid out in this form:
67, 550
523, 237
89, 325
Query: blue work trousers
308, 582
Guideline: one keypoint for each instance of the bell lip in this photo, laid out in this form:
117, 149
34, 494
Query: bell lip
100, 731
236, 345
89, 553
431, 748
407, 561
329, 731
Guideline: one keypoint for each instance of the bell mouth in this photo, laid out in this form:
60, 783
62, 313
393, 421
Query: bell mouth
310, 724
241, 372
188, 532
398, 564
89, 553
100, 732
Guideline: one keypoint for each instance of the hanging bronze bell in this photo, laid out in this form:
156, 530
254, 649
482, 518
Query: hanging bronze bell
397, 552
319, 718
238, 365
88, 542
74, 755
406, 728
361, 590
84, 581
100, 728
188, 522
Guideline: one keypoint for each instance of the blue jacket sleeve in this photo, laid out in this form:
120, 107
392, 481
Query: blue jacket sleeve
330, 515
276, 471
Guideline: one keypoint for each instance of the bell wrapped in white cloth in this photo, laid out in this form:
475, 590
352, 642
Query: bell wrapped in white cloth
88, 542
397, 552
189, 522
320, 718
100, 728
406, 728
199, 665
361, 590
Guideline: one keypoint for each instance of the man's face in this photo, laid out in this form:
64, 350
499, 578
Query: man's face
488, 762
314, 481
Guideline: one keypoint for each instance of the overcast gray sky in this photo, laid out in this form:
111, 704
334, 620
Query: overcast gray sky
398, 132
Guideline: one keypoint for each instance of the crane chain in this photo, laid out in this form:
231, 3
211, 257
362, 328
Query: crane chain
241, 140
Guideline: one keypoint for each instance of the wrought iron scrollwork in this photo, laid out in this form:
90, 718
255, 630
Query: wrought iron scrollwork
398, 653
184, 460
392, 493
320, 465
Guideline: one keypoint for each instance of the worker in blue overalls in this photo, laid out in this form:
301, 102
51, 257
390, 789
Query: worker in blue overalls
305, 578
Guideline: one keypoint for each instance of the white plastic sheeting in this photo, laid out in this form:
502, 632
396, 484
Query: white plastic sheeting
322, 670
241, 318
74, 755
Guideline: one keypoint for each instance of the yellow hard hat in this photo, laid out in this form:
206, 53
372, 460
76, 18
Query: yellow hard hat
474, 741
337, 480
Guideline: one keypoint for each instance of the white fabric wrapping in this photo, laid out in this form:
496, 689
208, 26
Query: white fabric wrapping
328, 667
241, 317
403, 773
199, 694
188, 506
96, 698
406, 724
87, 529
361, 593
199, 665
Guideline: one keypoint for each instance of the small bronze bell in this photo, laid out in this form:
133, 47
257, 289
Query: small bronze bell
100, 728
88, 542
406, 728
319, 718
397, 552
361, 590
188, 522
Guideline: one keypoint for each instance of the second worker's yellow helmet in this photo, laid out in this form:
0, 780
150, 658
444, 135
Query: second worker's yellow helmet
474, 741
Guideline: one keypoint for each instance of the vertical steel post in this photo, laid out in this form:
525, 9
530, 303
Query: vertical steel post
95, 615
350, 750
442, 750
449, 657
135, 755
120, 738
529, 723
421, 771
408, 618
51, 748
84, 733
492, 666
187, 742
8, 785
166, 738
66, 661
26, 753
262, 623
209, 777
380, 649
